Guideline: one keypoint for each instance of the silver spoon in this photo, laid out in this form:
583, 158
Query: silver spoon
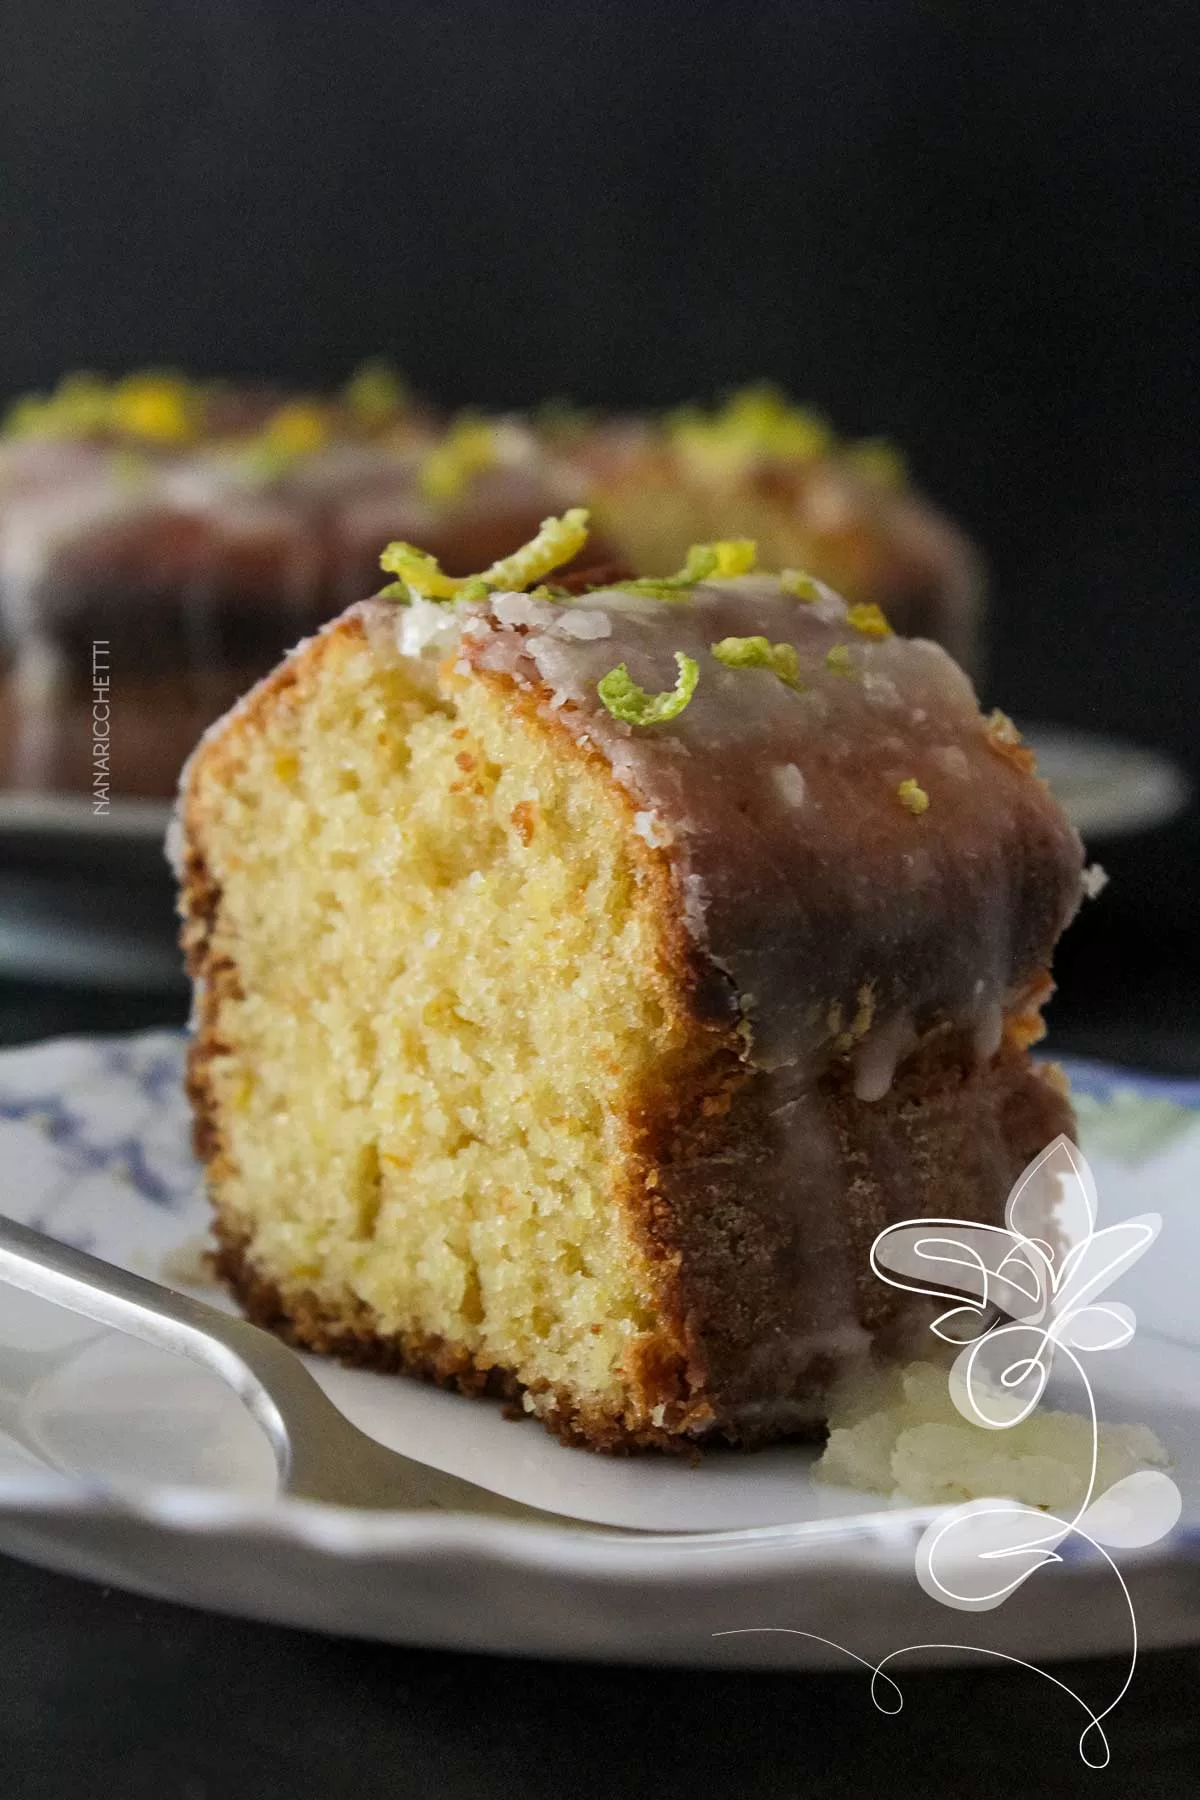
320, 1455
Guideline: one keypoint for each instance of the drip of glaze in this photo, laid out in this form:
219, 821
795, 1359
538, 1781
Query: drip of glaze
877, 1056
989, 1030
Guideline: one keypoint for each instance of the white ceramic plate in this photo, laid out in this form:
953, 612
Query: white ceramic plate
137, 1469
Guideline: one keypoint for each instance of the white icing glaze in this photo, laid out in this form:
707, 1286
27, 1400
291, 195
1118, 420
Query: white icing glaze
583, 622
654, 830
518, 610
789, 784
877, 1056
989, 1032
953, 760
426, 625
173, 845
695, 906
881, 688
34, 528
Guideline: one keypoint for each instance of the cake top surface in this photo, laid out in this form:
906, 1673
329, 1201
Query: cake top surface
849, 834
96, 475
159, 437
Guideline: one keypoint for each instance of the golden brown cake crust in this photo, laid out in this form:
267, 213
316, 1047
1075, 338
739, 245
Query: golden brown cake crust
353, 1338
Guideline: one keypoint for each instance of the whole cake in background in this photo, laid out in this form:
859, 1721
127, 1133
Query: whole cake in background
587, 970
199, 529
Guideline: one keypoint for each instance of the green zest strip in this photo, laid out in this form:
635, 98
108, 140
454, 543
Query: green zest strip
879, 462
375, 393
625, 700
727, 557
701, 562
799, 585
756, 653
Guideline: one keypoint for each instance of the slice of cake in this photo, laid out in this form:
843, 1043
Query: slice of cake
582, 982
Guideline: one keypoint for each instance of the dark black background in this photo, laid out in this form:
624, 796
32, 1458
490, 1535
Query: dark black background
160, 1704
970, 226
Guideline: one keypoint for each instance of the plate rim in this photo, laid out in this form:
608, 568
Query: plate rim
884, 1540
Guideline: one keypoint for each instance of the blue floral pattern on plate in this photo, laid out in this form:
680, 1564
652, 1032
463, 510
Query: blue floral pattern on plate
85, 1118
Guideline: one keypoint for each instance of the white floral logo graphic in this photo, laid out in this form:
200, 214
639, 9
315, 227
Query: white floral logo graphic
1019, 1296
1032, 1292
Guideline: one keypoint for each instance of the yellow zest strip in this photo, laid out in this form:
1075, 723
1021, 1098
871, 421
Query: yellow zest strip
756, 422
556, 543
869, 619
419, 574
157, 409
735, 556
77, 408
297, 429
150, 408
910, 793
293, 431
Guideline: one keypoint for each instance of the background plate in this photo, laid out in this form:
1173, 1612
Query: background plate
1107, 786
116, 929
